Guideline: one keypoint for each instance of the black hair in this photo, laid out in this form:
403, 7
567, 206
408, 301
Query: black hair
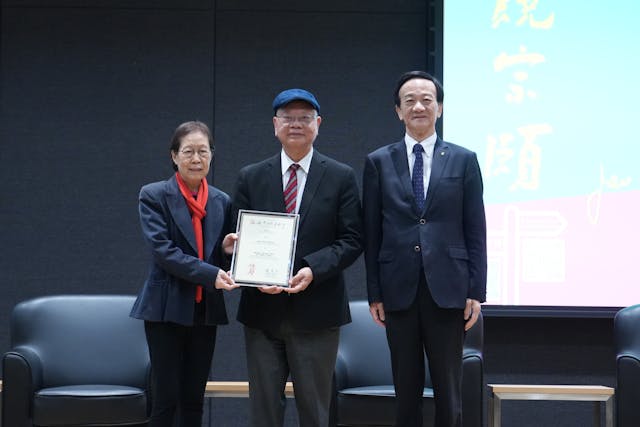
410, 75
185, 129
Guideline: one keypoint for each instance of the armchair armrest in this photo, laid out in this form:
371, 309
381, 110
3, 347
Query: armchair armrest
340, 373
627, 392
22, 371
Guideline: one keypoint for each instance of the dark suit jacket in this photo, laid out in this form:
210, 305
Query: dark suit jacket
329, 240
446, 242
168, 294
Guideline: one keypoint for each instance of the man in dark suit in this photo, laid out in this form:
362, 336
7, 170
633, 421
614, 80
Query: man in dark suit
295, 330
425, 251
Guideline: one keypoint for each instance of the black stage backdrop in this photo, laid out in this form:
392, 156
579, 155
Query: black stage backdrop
91, 92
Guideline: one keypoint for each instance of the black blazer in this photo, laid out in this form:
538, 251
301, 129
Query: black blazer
329, 240
446, 241
168, 294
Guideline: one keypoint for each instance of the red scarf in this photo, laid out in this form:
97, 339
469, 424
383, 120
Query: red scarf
196, 209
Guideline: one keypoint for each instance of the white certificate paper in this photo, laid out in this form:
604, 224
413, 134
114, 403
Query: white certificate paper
264, 252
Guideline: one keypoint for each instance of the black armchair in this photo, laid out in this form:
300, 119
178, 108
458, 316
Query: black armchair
76, 360
364, 384
627, 342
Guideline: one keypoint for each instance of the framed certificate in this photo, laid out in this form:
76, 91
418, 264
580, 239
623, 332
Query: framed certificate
264, 252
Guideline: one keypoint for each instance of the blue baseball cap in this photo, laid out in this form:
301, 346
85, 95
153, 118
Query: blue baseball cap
290, 95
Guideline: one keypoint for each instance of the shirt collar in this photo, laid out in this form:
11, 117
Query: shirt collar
427, 143
304, 163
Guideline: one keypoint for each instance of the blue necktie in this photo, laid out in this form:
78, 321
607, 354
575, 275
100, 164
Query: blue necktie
417, 177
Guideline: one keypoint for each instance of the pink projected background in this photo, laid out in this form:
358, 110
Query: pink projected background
570, 251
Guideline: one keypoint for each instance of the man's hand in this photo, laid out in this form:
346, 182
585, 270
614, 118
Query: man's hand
471, 313
228, 243
300, 281
224, 281
271, 290
377, 313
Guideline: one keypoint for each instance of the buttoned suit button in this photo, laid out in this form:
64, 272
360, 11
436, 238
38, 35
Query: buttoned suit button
423, 221
416, 248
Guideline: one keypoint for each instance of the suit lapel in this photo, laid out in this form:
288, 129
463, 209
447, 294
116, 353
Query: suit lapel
401, 164
439, 160
211, 223
317, 170
180, 212
275, 192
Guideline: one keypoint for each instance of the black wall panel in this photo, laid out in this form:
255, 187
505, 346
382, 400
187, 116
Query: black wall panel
90, 93
90, 97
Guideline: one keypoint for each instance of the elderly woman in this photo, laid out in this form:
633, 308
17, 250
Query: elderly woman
185, 223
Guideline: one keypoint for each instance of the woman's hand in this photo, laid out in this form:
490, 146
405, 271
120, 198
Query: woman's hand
224, 281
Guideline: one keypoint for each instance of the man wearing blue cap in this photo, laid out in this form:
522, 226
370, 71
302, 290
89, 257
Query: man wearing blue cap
295, 330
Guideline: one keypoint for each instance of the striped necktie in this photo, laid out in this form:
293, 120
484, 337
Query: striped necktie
291, 190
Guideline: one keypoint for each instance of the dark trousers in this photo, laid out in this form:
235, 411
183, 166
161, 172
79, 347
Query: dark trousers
180, 363
425, 327
310, 358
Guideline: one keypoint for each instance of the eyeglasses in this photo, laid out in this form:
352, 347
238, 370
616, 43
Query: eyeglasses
304, 120
188, 153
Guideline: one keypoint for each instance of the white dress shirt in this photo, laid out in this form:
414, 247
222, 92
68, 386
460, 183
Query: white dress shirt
427, 155
301, 173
